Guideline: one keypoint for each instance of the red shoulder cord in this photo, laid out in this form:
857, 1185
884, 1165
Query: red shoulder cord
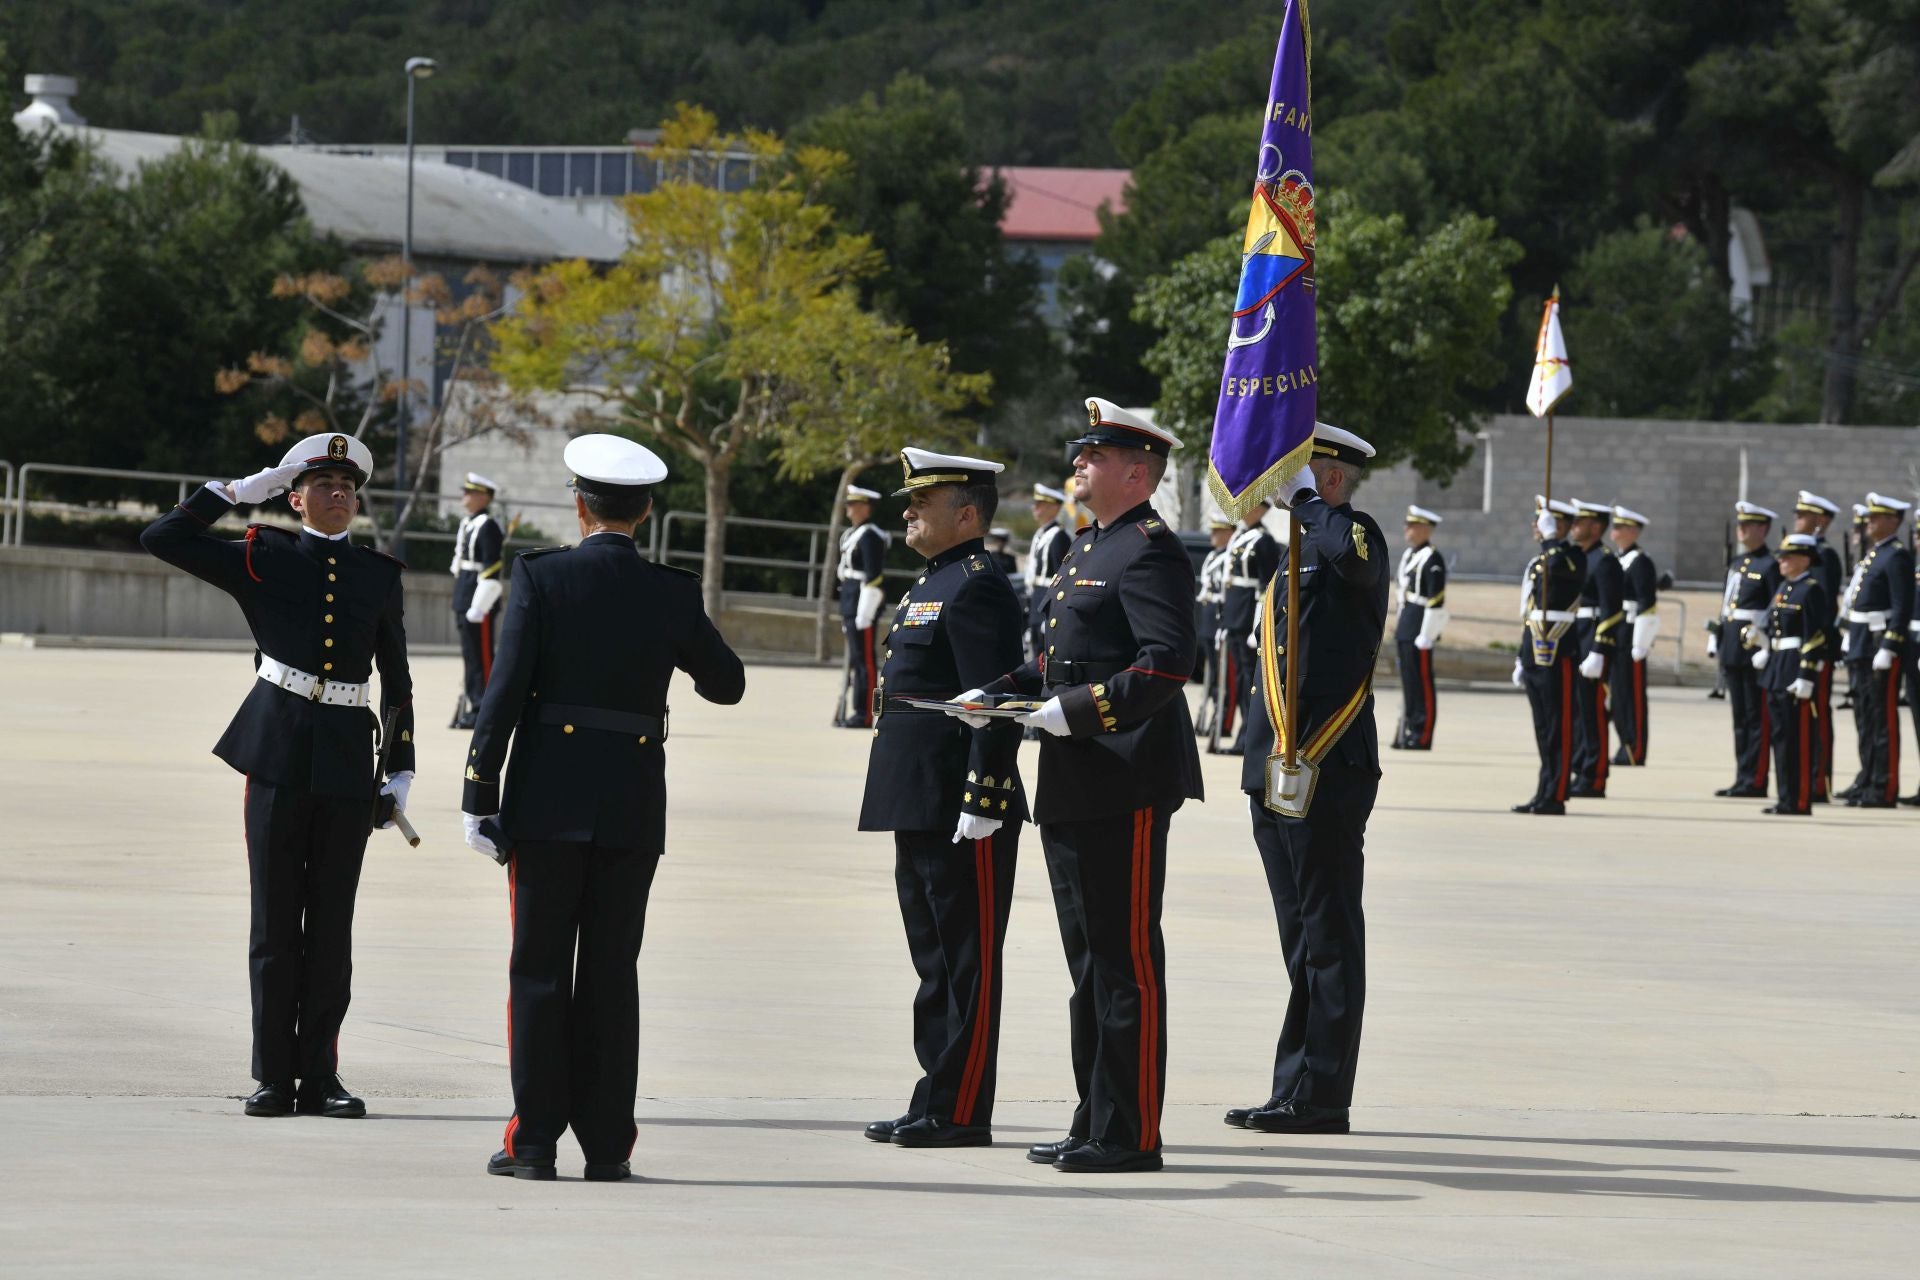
251, 530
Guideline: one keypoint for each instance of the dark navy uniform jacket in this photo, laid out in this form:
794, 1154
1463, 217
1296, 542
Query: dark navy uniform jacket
1751, 580
590, 642
957, 628
319, 605
1799, 611
1604, 592
1564, 569
1344, 578
1424, 577
1833, 580
1120, 644
1642, 588
480, 541
1252, 556
1885, 576
863, 559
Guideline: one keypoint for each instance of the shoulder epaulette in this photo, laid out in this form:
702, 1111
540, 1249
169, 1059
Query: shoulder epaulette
674, 568
1155, 528
255, 529
976, 564
385, 556
541, 551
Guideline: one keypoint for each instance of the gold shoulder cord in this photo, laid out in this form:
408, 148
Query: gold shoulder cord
1290, 793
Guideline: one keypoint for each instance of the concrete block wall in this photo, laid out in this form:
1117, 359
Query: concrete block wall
1684, 476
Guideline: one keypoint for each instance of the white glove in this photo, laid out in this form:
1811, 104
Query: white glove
262, 485
871, 598
1713, 645
1593, 665
1759, 660
1883, 660
974, 827
1548, 524
475, 840
1519, 675
486, 593
1801, 689
1431, 625
1052, 717
397, 786
1301, 479
1645, 628
1253, 639
971, 695
1423, 641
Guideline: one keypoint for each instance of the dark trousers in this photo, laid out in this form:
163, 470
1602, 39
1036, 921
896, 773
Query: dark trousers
1912, 663
1418, 704
303, 862
1239, 679
1823, 732
1550, 695
1752, 728
1876, 715
955, 900
1315, 868
863, 669
478, 640
1590, 759
573, 1006
1108, 876
1629, 699
1795, 739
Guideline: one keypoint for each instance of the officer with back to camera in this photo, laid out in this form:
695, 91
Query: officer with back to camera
592, 638
324, 614
951, 796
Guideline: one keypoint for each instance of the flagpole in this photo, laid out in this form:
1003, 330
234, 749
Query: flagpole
1292, 703
1549, 481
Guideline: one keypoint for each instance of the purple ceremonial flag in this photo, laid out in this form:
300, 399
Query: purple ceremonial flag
1263, 427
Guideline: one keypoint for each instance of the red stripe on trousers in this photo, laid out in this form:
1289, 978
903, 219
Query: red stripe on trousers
1761, 757
1892, 699
983, 1004
1823, 699
1566, 729
486, 649
1146, 982
513, 913
1600, 726
1803, 797
1426, 694
866, 654
1232, 692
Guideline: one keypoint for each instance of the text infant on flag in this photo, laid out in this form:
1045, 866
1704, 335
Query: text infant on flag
1552, 375
1263, 427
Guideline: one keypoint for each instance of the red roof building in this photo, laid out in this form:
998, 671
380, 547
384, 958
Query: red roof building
1060, 205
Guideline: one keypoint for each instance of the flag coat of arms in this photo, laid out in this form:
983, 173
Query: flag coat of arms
1552, 373
1263, 425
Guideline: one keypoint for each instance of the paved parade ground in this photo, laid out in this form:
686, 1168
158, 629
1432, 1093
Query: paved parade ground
1665, 1035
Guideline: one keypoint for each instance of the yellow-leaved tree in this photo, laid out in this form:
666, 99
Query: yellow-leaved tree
733, 315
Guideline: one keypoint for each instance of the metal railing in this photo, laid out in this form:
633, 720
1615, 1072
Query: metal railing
6, 503
814, 568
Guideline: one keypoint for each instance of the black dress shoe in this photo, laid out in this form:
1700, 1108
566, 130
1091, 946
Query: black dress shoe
1742, 793
1299, 1117
934, 1131
1095, 1156
531, 1168
464, 722
326, 1096
1869, 804
882, 1130
1586, 793
274, 1098
610, 1171
1784, 812
1621, 757
1524, 808
1912, 801
1048, 1152
1236, 1117
1549, 809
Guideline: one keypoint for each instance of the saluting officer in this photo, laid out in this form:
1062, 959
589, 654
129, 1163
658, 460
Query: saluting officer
1315, 863
1208, 600
1812, 514
863, 554
477, 588
1421, 584
1118, 758
592, 638
1252, 555
1597, 627
1879, 609
1787, 647
1044, 553
1550, 593
324, 613
1751, 579
951, 795
1628, 675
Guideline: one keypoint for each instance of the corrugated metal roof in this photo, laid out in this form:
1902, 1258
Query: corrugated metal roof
1060, 204
362, 200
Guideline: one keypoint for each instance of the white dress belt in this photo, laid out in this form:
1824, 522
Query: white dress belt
1872, 619
467, 566
1587, 611
1745, 615
1425, 602
300, 684
1785, 642
1253, 583
1549, 615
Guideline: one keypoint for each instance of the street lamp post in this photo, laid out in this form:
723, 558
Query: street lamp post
417, 69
